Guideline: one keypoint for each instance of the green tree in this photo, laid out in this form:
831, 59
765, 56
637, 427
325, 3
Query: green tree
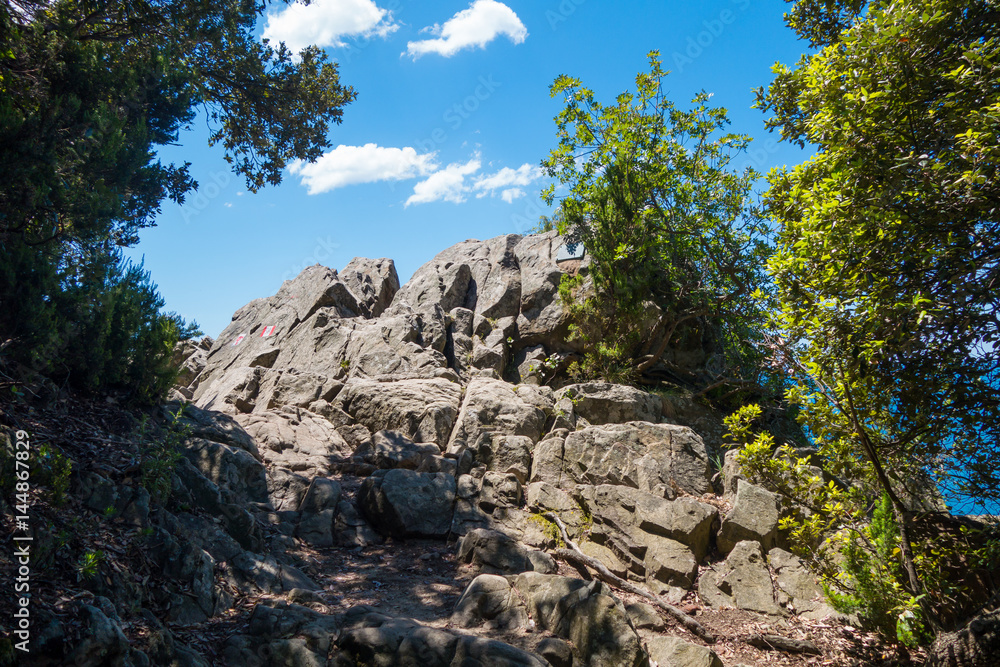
677, 248
88, 90
888, 260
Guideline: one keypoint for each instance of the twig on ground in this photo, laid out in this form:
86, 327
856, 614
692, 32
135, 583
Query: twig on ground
574, 554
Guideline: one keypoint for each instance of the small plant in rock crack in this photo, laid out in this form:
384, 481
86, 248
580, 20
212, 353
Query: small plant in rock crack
159, 456
87, 566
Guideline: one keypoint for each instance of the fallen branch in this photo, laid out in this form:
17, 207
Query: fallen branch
770, 642
574, 555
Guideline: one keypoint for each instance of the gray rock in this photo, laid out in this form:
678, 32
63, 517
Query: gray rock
390, 449
556, 651
754, 517
295, 389
374, 639
237, 474
669, 564
675, 652
212, 425
505, 454
351, 529
797, 587
373, 282
493, 552
103, 643
655, 458
488, 598
285, 489
423, 410
279, 633
297, 440
493, 405
585, 613
322, 494
543, 318
644, 520
404, 503
645, 617
743, 581
500, 490
604, 403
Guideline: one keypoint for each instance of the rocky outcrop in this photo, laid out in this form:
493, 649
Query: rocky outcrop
405, 503
384, 413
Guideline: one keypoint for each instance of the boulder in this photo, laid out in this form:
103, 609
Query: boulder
505, 454
543, 318
297, 440
421, 409
754, 517
404, 503
351, 529
645, 617
494, 405
675, 652
493, 552
285, 489
656, 539
237, 474
656, 458
586, 613
669, 564
604, 403
370, 638
500, 490
742, 581
295, 389
797, 587
373, 282
212, 425
389, 449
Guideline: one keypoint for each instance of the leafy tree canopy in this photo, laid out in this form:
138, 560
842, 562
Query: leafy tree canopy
676, 246
888, 254
88, 88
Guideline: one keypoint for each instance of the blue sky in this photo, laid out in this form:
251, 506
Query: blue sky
443, 143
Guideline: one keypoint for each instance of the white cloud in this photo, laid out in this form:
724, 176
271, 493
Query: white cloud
325, 22
476, 26
448, 184
350, 165
503, 179
510, 194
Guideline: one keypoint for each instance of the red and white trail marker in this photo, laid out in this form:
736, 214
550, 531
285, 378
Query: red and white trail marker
267, 331
239, 339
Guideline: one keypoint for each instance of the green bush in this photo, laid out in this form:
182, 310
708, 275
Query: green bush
88, 317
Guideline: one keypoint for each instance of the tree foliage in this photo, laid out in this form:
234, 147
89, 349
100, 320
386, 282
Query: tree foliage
888, 259
88, 90
677, 248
